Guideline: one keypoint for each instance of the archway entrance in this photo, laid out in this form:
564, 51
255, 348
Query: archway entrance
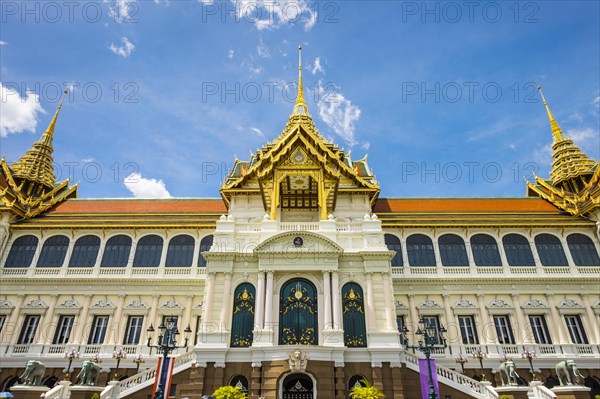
297, 386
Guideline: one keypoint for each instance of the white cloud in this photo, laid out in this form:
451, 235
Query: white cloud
145, 188
3, 43
262, 50
310, 21
339, 114
317, 66
230, 54
124, 50
257, 131
269, 14
18, 113
585, 137
122, 10
576, 117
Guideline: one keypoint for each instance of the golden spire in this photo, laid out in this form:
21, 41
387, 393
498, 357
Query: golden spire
300, 107
36, 164
557, 132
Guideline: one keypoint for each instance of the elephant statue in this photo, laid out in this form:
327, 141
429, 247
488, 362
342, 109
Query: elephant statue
508, 373
89, 373
567, 372
34, 373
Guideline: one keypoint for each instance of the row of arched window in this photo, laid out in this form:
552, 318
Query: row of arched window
453, 251
117, 251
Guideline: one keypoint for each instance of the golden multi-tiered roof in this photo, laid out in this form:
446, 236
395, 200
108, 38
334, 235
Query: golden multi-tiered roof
300, 169
28, 187
574, 184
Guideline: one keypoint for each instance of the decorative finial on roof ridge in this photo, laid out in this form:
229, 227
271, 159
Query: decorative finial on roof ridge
300, 107
557, 132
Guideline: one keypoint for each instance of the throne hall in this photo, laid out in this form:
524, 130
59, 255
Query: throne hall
300, 281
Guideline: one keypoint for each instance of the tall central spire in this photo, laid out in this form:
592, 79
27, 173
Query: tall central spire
300, 107
557, 132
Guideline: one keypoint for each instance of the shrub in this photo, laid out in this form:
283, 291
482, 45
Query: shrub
228, 392
366, 392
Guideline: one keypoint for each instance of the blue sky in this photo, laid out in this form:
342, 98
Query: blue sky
441, 95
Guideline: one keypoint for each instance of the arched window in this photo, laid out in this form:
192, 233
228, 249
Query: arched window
583, 250
356, 381
550, 250
180, 252
116, 252
53, 252
485, 250
420, 250
22, 252
353, 309
298, 313
243, 316
452, 250
297, 385
518, 251
148, 251
205, 245
393, 244
85, 252
239, 381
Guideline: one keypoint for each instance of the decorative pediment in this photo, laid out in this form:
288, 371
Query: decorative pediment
298, 242
103, 304
464, 304
69, 304
35, 304
499, 304
400, 305
5, 304
429, 304
137, 304
534, 304
569, 304
171, 304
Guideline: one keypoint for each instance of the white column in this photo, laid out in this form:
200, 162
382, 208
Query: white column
153, 308
414, 317
207, 300
487, 330
269, 301
448, 312
595, 335
371, 320
82, 320
390, 309
226, 299
557, 320
45, 330
327, 301
116, 322
187, 317
521, 330
337, 304
260, 301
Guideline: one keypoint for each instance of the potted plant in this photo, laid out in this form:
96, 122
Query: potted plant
229, 392
366, 392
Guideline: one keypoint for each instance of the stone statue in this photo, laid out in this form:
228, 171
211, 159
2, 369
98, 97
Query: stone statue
34, 373
508, 373
298, 360
567, 373
89, 373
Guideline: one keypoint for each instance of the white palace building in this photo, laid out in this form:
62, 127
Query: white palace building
300, 280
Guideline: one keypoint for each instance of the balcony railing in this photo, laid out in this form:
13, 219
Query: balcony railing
487, 271
93, 272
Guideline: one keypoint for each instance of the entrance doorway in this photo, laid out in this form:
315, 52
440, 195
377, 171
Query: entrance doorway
297, 386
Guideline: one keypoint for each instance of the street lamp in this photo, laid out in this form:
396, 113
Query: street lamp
526, 354
138, 359
479, 354
71, 355
460, 359
167, 341
431, 339
119, 354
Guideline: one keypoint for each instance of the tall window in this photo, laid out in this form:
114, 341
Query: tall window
485, 250
468, 330
98, 331
420, 250
243, 316
298, 321
432, 324
583, 250
540, 329
63, 330
30, 326
180, 252
53, 252
205, 245
116, 252
2, 321
353, 309
452, 250
22, 252
393, 244
133, 331
518, 250
401, 324
576, 330
148, 251
170, 319
550, 250
504, 330
85, 252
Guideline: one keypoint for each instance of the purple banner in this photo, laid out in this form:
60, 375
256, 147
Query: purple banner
424, 374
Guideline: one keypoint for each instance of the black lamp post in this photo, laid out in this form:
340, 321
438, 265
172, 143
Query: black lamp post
425, 345
479, 354
70, 355
119, 354
527, 354
167, 341
460, 359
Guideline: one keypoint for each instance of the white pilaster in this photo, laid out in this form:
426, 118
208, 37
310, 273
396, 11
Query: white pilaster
226, 299
327, 301
260, 301
269, 301
337, 303
390, 309
371, 323
557, 321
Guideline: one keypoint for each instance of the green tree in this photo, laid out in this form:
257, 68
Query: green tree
228, 392
366, 392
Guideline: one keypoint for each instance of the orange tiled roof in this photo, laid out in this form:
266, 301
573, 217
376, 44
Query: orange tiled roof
488, 205
133, 206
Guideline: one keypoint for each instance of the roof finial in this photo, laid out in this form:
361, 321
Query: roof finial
49, 133
300, 106
557, 133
